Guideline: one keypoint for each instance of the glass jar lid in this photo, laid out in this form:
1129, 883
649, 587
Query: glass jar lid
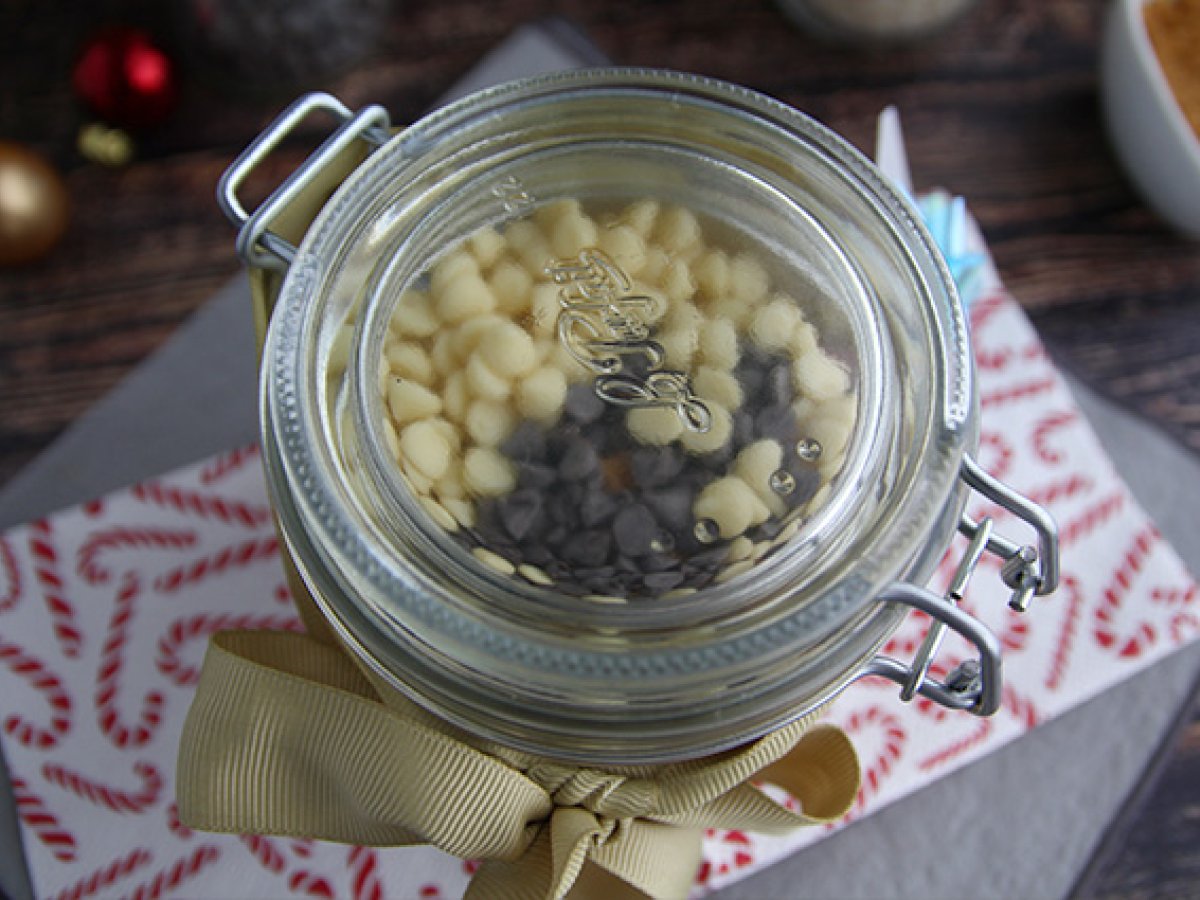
598, 408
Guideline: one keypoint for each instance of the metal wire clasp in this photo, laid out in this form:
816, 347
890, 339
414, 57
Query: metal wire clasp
256, 243
1028, 571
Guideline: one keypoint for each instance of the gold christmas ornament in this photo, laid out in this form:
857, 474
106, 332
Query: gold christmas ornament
33, 205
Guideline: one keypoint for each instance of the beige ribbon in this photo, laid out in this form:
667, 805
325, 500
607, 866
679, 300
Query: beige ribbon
287, 736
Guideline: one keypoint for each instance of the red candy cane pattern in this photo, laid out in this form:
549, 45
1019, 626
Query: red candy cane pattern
50, 686
46, 570
1113, 597
310, 884
980, 732
175, 826
227, 463
1048, 426
183, 631
234, 556
364, 874
894, 737
120, 537
1091, 518
1018, 392
231, 512
108, 680
107, 876
177, 873
1060, 659
263, 849
11, 576
43, 823
117, 800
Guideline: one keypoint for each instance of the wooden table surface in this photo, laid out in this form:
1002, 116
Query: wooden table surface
1003, 109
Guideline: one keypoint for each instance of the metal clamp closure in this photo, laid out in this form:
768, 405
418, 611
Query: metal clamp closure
975, 684
1028, 571
256, 243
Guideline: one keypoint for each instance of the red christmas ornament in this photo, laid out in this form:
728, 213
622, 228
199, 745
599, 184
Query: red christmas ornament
125, 78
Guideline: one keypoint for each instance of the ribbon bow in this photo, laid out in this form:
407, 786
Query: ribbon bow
286, 735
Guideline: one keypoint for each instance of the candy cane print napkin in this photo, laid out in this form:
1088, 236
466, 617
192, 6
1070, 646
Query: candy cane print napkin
105, 609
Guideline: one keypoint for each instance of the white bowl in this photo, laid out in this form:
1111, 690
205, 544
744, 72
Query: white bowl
1152, 137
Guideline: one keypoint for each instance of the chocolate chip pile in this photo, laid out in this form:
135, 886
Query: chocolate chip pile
513, 443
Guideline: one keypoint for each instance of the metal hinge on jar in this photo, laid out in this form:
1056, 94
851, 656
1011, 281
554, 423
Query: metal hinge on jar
1027, 570
257, 243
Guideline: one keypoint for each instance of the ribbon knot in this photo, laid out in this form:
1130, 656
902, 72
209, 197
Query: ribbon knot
287, 736
604, 793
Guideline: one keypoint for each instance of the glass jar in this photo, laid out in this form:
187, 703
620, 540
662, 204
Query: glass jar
598, 617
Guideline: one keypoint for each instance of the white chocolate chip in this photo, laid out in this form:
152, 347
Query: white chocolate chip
774, 323
493, 561
511, 285
625, 247
508, 351
529, 245
541, 394
747, 279
550, 215
450, 268
712, 274
544, 308
677, 282
409, 401
731, 504
456, 396
462, 510
489, 422
535, 575
677, 230
487, 246
409, 360
755, 465
439, 514
641, 216
486, 473
655, 425
414, 316
719, 432
819, 376
655, 264
475, 331
710, 383
719, 344
483, 382
466, 296
572, 233
679, 345
425, 446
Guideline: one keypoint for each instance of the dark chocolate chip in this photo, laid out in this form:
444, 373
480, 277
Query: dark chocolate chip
635, 529
521, 512
658, 582
587, 548
671, 505
582, 405
655, 466
778, 385
596, 507
579, 461
536, 475
527, 443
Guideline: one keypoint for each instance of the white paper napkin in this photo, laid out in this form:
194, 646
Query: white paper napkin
105, 608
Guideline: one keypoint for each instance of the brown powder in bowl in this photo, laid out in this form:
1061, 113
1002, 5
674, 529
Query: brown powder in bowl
1174, 29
